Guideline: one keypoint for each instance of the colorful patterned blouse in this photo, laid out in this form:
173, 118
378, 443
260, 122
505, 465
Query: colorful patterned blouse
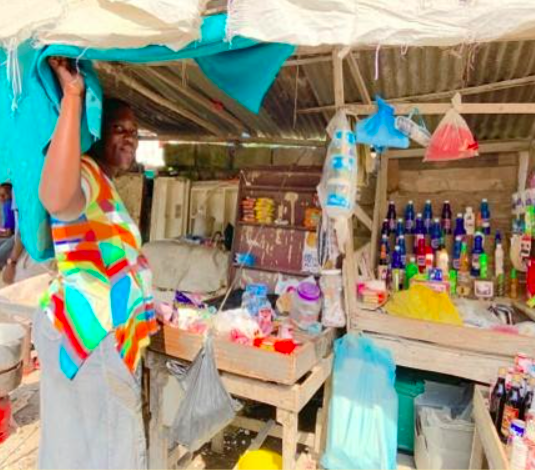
104, 282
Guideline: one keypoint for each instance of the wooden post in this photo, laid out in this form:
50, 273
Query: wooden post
289, 421
523, 168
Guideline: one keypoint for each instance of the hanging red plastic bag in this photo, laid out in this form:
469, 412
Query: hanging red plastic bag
452, 140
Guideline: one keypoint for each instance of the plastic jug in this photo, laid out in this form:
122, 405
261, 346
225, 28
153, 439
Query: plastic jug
306, 305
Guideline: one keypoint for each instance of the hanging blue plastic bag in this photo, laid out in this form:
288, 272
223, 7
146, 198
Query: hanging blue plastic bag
379, 130
363, 413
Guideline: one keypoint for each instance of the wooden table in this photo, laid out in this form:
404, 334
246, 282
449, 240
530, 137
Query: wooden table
287, 398
487, 449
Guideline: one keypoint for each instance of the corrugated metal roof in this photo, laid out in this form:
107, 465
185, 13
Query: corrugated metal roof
399, 74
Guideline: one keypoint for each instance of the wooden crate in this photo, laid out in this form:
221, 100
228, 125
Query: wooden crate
486, 445
246, 360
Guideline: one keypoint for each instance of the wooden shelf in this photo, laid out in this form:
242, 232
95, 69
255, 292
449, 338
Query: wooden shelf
280, 189
268, 269
276, 227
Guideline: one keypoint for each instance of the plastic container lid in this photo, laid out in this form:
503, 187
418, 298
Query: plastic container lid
309, 291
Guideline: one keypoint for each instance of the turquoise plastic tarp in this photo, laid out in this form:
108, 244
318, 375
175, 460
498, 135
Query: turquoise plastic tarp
244, 69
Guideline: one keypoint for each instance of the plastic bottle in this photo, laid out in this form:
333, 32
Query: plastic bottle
397, 280
403, 250
400, 228
499, 256
530, 278
456, 262
484, 266
410, 271
443, 262
513, 291
391, 216
419, 229
385, 228
420, 255
453, 282
469, 221
476, 255
464, 286
410, 217
382, 269
511, 409
459, 226
428, 216
436, 234
497, 397
446, 217
429, 259
485, 216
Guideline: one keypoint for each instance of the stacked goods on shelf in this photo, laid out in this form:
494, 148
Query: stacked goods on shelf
264, 210
248, 209
512, 410
523, 240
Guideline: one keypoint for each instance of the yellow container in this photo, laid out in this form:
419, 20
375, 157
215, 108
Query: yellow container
260, 459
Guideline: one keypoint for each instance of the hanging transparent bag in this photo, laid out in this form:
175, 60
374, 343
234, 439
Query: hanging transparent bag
452, 139
333, 314
207, 407
416, 131
338, 185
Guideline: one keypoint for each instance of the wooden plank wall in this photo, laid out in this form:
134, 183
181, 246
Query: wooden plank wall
464, 183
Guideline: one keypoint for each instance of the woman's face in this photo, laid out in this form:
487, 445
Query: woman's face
121, 140
4, 194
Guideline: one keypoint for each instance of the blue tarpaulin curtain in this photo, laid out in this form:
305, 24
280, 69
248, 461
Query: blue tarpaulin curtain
244, 69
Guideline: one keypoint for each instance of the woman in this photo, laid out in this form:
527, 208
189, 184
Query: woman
98, 314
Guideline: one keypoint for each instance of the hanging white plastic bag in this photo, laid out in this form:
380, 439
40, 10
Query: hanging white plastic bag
207, 407
413, 130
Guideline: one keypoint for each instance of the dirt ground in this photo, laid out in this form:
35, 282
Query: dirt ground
19, 451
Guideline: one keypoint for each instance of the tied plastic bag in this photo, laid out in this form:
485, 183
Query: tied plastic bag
452, 139
414, 131
363, 412
422, 303
207, 407
379, 130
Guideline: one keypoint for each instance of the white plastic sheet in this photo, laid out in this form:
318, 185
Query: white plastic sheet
21, 18
382, 22
102, 23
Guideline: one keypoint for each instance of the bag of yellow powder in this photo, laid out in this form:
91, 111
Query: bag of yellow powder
422, 303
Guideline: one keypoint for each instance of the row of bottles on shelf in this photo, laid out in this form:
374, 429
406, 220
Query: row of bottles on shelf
423, 223
434, 260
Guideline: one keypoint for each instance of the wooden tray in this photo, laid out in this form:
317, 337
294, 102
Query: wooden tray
246, 360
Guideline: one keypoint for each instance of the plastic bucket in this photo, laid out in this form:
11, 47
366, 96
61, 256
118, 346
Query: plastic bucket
260, 459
